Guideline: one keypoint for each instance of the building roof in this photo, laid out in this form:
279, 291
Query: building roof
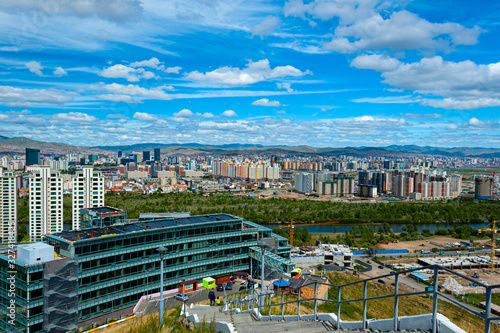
420, 276
90, 233
281, 283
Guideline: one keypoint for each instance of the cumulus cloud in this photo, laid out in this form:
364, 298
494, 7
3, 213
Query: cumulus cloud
463, 85
281, 112
252, 73
184, 113
377, 62
13, 96
153, 63
205, 115
285, 85
76, 117
124, 93
266, 27
174, 70
266, 102
59, 71
35, 67
147, 117
229, 113
378, 25
125, 72
111, 10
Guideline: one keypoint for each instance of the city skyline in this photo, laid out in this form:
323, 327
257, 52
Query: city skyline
318, 73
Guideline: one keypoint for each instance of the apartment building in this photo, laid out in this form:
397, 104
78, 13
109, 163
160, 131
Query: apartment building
8, 206
88, 191
45, 202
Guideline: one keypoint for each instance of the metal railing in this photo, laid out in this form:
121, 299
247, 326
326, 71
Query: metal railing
235, 301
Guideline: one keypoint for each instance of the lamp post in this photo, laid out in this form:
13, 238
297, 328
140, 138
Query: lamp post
162, 251
263, 246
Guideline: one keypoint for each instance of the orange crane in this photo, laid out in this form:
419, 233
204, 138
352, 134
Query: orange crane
493, 230
291, 231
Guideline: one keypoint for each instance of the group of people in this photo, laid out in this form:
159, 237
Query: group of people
213, 300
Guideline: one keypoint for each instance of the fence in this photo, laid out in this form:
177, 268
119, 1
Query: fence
236, 303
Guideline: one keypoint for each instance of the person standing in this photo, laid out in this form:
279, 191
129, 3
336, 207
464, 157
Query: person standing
211, 297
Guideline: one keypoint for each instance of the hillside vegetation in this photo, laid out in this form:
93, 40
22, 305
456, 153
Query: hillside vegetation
275, 210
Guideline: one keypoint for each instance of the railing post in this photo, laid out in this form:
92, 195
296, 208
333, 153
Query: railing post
365, 287
338, 306
487, 322
270, 302
315, 300
396, 302
298, 305
282, 305
435, 300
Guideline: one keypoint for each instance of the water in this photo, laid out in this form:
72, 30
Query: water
330, 228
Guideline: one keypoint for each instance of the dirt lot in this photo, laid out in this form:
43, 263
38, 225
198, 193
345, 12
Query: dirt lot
412, 246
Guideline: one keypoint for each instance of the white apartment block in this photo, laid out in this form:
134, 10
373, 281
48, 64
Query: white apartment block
254, 170
88, 191
304, 182
45, 203
8, 206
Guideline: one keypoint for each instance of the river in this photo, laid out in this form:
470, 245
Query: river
330, 228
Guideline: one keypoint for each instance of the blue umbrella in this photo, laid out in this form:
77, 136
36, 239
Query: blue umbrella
281, 283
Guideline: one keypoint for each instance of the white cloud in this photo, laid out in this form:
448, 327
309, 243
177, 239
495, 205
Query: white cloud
153, 63
205, 115
380, 25
35, 67
174, 70
266, 102
281, 112
452, 103
451, 127
267, 26
475, 122
387, 100
139, 92
112, 10
252, 73
128, 73
13, 96
229, 113
285, 85
380, 63
75, 117
463, 85
147, 117
59, 71
184, 113
117, 98
421, 116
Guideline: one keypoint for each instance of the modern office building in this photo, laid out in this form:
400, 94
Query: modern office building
157, 154
32, 157
8, 206
101, 270
88, 191
45, 202
146, 156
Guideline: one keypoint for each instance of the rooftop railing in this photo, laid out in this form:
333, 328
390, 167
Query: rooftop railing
259, 300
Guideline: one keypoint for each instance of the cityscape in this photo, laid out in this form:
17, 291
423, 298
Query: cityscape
218, 166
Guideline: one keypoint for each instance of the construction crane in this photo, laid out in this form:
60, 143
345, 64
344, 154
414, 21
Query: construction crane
493, 230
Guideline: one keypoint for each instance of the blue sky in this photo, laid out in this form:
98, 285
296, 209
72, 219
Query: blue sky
325, 73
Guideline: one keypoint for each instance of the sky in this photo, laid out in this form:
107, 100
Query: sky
323, 73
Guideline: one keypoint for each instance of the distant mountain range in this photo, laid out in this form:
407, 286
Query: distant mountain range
235, 148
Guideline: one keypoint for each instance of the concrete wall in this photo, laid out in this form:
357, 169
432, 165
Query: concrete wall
308, 261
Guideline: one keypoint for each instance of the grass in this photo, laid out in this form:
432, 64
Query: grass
478, 298
150, 324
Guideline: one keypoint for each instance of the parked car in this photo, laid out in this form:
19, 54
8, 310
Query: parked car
229, 286
381, 281
243, 287
181, 297
220, 287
